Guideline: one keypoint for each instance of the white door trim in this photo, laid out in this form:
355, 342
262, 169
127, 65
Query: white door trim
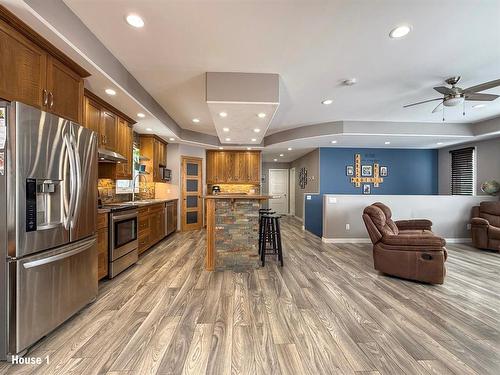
291, 191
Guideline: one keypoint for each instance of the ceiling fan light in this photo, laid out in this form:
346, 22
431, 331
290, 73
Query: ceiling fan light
452, 102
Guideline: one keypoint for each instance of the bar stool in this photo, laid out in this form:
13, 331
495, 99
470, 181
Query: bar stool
263, 211
270, 233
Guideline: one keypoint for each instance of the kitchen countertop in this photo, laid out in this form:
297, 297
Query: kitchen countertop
139, 203
237, 196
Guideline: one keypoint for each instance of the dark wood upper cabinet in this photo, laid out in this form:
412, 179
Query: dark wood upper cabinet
64, 91
108, 130
125, 140
233, 167
34, 72
22, 68
155, 149
114, 133
92, 116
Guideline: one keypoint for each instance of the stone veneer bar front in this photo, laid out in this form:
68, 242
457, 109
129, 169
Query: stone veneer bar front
233, 231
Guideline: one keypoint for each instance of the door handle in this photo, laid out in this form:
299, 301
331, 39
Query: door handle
51, 98
78, 176
45, 99
72, 182
57, 257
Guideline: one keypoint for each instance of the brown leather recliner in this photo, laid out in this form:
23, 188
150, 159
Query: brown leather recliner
405, 248
485, 226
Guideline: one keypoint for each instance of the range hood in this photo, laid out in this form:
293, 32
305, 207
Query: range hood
107, 156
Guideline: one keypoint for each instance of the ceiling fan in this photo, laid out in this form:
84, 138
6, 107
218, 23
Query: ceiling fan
454, 95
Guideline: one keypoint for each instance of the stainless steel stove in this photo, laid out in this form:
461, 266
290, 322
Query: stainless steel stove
123, 237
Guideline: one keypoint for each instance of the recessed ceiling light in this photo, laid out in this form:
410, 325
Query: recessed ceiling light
254, 140
387, 143
141, 115
249, 148
171, 139
289, 149
228, 139
439, 143
196, 120
225, 129
275, 159
135, 21
261, 115
479, 106
334, 141
327, 101
221, 148
149, 129
256, 130
282, 155
400, 31
223, 114
110, 92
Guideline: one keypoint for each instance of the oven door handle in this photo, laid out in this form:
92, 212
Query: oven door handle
123, 217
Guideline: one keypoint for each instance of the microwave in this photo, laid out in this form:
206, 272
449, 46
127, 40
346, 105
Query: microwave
165, 174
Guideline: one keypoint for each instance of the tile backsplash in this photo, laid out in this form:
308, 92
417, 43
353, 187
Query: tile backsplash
107, 191
236, 188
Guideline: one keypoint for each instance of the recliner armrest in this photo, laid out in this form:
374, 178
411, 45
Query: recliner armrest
413, 240
479, 222
423, 224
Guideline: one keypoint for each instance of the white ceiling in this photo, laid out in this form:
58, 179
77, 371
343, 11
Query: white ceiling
313, 45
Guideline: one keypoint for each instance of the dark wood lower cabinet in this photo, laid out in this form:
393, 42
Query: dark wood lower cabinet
152, 223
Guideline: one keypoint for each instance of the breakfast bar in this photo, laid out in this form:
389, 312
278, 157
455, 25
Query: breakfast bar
232, 231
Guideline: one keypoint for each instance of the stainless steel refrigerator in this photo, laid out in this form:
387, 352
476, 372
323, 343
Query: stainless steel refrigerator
48, 213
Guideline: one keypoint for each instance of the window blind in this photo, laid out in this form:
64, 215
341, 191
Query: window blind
462, 171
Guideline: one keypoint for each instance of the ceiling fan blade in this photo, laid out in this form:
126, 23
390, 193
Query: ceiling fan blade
444, 90
438, 108
481, 97
483, 86
425, 101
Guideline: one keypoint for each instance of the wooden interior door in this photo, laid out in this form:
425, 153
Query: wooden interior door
192, 202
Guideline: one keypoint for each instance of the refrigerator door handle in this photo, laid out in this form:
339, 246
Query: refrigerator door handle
57, 257
78, 177
72, 182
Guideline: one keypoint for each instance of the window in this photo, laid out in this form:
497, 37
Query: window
126, 187
463, 176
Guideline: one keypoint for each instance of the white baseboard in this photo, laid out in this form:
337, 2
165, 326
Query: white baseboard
345, 240
367, 240
458, 240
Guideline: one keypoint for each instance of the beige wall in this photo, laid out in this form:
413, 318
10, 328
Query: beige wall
450, 214
487, 167
311, 162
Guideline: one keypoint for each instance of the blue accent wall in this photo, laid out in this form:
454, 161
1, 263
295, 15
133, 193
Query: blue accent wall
313, 212
410, 172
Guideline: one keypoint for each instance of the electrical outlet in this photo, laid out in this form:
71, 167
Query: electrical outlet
348, 227
468, 226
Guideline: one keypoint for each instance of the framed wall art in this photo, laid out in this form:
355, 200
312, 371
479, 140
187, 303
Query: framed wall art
366, 170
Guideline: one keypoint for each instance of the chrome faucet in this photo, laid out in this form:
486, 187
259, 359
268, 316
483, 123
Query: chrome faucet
137, 178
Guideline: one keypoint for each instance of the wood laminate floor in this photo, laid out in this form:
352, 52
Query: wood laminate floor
326, 312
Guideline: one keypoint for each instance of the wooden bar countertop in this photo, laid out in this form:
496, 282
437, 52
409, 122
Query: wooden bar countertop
237, 196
